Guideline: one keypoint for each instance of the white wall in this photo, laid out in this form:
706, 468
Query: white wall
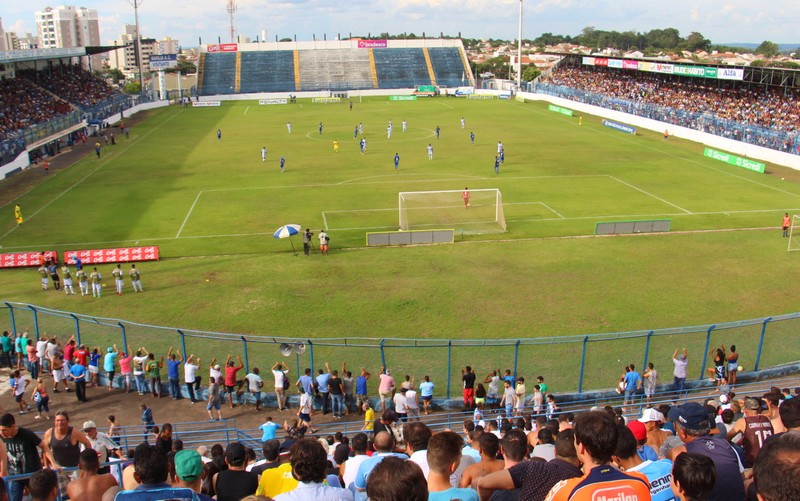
717, 142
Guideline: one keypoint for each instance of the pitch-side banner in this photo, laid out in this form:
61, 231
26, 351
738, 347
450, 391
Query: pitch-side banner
25, 259
118, 255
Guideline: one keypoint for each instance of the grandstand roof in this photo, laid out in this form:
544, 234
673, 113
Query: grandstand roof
16, 56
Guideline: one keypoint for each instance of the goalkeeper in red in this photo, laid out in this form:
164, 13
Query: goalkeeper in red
465, 196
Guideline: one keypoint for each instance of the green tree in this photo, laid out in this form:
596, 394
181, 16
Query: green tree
132, 87
115, 74
696, 41
498, 66
531, 73
769, 49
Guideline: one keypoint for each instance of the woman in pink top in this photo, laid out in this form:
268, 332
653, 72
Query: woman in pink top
125, 367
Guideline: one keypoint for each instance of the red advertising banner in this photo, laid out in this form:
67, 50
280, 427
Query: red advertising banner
222, 47
373, 44
24, 259
119, 255
601, 61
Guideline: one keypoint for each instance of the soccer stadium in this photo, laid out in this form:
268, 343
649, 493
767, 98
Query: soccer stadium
372, 211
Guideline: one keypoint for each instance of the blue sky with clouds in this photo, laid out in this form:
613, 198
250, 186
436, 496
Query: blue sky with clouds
721, 21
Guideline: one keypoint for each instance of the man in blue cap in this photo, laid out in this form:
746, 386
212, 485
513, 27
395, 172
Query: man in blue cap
692, 425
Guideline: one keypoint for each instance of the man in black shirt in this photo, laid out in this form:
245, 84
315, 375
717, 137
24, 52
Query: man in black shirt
468, 377
336, 389
21, 444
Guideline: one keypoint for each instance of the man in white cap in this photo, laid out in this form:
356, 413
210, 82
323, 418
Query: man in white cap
652, 420
101, 443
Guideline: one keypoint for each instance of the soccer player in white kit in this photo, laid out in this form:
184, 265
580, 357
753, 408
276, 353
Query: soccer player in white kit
264, 154
96, 278
405, 125
462, 122
389, 132
135, 279
68, 289
289, 127
83, 282
430, 152
118, 275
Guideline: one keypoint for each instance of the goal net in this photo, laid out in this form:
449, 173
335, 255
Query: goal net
794, 234
469, 211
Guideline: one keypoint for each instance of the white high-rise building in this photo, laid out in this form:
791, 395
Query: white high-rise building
125, 58
68, 26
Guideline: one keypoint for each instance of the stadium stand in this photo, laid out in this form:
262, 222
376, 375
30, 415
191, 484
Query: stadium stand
448, 66
71, 83
401, 68
219, 73
335, 69
267, 71
766, 116
24, 105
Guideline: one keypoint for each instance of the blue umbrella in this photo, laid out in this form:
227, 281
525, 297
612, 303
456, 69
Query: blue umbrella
288, 231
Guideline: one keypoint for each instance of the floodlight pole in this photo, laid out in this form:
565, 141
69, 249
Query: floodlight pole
136, 4
519, 49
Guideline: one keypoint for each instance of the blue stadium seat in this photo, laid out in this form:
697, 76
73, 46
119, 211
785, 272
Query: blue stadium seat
267, 71
448, 67
401, 68
219, 73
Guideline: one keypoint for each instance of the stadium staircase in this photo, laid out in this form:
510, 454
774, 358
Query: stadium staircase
429, 65
401, 68
296, 69
372, 68
237, 79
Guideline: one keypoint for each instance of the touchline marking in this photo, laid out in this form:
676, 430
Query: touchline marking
650, 194
246, 110
84, 178
188, 214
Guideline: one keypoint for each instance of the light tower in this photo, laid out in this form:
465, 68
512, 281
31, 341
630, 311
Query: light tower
231, 8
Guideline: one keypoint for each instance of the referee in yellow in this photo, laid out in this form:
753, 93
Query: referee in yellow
18, 214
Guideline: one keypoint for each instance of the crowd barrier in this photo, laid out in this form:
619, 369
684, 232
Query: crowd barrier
573, 363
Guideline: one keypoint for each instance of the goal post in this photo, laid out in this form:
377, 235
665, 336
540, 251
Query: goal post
469, 211
794, 234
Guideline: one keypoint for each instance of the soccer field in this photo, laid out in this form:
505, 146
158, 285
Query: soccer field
212, 206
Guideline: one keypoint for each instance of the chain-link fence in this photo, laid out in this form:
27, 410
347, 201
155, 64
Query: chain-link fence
568, 364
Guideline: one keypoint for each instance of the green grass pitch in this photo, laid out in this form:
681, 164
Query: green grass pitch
212, 206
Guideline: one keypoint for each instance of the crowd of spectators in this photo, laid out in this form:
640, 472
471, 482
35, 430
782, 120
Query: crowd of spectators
714, 106
687, 451
24, 105
512, 446
72, 83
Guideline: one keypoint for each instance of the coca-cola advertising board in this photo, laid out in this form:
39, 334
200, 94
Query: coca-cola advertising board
118, 255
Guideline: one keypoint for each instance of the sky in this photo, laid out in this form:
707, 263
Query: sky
721, 21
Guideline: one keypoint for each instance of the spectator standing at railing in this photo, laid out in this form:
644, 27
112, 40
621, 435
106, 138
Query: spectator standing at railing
65, 442
361, 389
174, 362
347, 383
321, 387
650, 382
255, 384
102, 445
281, 376
679, 373
190, 377
154, 372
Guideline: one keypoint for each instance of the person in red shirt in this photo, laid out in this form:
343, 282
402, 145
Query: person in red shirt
230, 377
81, 355
465, 196
787, 221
